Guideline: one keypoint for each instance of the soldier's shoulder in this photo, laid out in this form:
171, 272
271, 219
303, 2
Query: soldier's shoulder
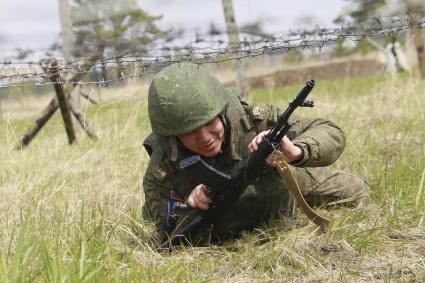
256, 111
155, 143
159, 149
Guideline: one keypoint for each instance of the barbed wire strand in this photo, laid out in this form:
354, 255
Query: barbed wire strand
17, 74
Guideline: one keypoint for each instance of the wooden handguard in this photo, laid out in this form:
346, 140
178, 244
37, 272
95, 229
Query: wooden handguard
285, 172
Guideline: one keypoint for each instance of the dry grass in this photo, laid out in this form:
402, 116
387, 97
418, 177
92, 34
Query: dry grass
73, 213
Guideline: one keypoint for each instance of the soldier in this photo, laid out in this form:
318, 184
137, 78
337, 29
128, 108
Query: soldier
192, 113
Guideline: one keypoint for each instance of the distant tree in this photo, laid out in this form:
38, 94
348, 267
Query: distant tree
116, 28
23, 53
255, 29
360, 10
366, 10
306, 23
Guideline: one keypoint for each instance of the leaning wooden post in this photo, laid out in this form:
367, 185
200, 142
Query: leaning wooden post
52, 107
62, 100
86, 96
38, 125
86, 125
45, 116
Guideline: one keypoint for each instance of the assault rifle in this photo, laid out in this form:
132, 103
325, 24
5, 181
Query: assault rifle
225, 189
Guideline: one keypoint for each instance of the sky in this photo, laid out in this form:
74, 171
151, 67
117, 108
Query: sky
35, 24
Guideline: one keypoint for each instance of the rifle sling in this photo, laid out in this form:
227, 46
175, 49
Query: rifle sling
285, 172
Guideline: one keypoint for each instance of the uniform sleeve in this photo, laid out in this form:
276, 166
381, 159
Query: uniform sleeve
159, 193
155, 205
321, 140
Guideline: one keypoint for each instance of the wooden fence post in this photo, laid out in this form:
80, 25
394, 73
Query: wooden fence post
52, 107
84, 123
54, 76
86, 96
418, 38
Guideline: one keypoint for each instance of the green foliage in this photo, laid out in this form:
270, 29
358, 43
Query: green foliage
115, 28
293, 56
339, 50
360, 11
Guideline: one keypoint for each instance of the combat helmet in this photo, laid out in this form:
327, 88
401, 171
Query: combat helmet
183, 97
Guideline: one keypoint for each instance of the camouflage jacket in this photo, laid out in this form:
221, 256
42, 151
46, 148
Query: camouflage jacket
321, 140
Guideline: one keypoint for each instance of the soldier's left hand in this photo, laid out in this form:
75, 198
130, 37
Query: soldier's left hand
290, 151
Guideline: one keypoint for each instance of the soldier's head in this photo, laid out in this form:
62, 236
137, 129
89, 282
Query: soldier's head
185, 101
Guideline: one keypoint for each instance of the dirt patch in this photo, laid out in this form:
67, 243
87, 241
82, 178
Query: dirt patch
398, 265
403, 263
343, 69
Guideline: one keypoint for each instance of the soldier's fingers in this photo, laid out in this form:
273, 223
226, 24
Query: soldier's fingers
270, 160
191, 201
255, 141
258, 138
285, 139
198, 197
200, 204
261, 135
203, 188
203, 206
203, 198
253, 146
195, 203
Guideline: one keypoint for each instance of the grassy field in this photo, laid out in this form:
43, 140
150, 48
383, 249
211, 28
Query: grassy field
73, 213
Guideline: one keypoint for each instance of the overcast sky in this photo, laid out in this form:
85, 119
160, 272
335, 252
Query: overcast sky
35, 23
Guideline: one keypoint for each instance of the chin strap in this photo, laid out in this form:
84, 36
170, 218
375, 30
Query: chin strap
285, 172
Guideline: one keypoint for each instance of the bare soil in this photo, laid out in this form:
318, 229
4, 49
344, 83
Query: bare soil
325, 70
402, 259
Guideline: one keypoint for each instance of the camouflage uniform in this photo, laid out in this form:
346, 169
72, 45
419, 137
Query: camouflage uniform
322, 142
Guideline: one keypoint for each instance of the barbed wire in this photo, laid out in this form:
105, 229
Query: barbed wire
219, 35
370, 26
133, 65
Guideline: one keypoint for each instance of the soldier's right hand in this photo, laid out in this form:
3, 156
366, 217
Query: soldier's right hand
198, 198
290, 151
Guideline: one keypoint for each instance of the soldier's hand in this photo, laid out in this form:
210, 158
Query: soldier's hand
198, 198
253, 145
290, 151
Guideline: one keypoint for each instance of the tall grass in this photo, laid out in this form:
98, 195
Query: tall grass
73, 213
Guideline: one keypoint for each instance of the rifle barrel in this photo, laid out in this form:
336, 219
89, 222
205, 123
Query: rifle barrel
282, 126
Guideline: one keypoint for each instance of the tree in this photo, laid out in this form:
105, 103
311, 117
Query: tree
116, 28
365, 10
362, 10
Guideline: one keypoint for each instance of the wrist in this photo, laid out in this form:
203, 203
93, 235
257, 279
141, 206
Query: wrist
297, 153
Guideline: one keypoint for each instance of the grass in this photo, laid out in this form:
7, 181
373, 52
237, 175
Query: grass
73, 213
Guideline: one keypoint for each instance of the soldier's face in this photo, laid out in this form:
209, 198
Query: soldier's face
205, 140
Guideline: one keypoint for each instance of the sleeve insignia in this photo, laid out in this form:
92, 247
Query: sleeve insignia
159, 174
258, 112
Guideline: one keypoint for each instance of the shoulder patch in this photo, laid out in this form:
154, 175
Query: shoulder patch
256, 111
159, 174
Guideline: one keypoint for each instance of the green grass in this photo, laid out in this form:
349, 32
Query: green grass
73, 213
